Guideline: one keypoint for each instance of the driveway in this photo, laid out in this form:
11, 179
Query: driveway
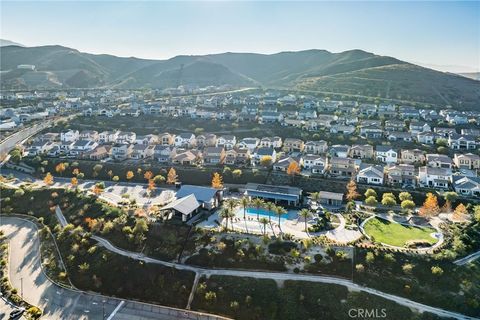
60, 303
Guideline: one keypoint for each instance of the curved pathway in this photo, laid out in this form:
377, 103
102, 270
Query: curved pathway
282, 277
58, 302
470, 258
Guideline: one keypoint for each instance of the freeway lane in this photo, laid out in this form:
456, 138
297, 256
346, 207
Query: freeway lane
66, 304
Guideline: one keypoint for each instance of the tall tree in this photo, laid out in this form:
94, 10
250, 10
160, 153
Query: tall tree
279, 211
60, 168
217, 181
245, 202
258, 203
172, 176
148, 175
264, 221
130, 175
305, 214
430, 206
352, 192
48, 179
449, 197
293, 169
150, 187
74, 182
460, 212
270, 207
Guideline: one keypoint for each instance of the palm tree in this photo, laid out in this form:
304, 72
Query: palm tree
279, 211
231, 203
264, 221
244, 202
225, 213
305, 214
270, 206
258, 203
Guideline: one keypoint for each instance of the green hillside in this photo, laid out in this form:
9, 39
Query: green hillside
351, 72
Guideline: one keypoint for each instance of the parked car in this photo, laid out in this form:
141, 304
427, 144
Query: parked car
17, 313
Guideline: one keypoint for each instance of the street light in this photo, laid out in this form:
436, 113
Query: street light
103, 309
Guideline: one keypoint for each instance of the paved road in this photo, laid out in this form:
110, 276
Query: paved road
67, 304
284, 276
470, 258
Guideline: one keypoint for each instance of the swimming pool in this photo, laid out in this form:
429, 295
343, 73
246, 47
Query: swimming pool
266, 213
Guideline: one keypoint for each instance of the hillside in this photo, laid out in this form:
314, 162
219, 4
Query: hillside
351, 72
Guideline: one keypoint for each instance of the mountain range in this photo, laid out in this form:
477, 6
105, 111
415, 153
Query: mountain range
353, 72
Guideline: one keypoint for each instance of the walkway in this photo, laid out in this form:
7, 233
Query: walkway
470, 258
67, 304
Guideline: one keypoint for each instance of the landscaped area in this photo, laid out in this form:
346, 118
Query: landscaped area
396, 234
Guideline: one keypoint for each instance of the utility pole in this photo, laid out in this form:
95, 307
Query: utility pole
21, 287
103, 309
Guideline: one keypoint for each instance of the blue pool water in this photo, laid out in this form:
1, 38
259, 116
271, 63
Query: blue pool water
266, 213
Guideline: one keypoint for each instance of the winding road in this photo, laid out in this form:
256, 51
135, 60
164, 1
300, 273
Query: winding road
26, 274
282, 277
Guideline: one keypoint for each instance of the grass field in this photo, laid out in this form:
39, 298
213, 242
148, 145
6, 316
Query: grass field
396, 234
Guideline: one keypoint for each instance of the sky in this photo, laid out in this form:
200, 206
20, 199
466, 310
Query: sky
439, 34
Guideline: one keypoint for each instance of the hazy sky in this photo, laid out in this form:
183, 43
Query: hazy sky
434, 33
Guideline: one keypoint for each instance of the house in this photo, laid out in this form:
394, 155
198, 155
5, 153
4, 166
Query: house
401, 174
108, 136
339, 150
248, 143
342, 129
166, 139
227, 141
147, 139
445, 132
427, 137
358, 151
371, 132
121, 151
330, 198
206, 140
467, 161
408, 112
278, 194
185, 207
370, 174
461, 142
126, 137
367, 109
89, 135
293, 123
419, 126
261, 152
400, 136
305, 114
186, 157
341, 167
283, 163
270, 117
466, 186
69, 136
185, 140
311, 161
293, 145
438, 160
39, 147
456, 118
209, 198
394, 125
163, 153
99, 153
214, 155
55, 151
411, 156
231, 156
316, 147
81, 146
386, 154
271, 142
434, 177
142, 151
243, 156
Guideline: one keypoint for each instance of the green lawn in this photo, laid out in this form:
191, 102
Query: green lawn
396, 234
